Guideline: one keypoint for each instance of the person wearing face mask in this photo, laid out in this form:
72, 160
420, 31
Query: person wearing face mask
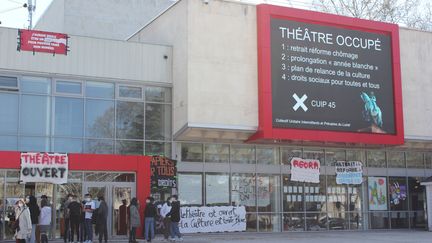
66, 214
166, 208
135, 220
89, 207
23, 232
175, 218
150, 213
101, 221
34, 215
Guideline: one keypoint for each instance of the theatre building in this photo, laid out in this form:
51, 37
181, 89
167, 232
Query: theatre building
311, 121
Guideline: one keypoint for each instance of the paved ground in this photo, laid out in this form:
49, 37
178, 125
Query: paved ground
301, 237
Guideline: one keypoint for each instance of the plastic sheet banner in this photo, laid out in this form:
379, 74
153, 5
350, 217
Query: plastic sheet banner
42, 41
44, 167
305, 170
349, 172
212, 219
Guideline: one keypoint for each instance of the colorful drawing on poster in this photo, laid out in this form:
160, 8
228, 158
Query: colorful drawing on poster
377, 193
398, 193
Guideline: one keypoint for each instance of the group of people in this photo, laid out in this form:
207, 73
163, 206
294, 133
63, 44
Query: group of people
29, 215
169, 211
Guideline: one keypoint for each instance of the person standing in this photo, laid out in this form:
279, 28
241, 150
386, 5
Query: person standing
101, 220
83, 233
135, 220
166, 208
122, 219
24, 229
175, 218
150, 213
34, 215
66, 233
89, 207
44, 221
74, 217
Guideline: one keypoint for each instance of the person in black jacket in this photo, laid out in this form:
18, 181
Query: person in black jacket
175, 218
150, 213
101, 219
34, 215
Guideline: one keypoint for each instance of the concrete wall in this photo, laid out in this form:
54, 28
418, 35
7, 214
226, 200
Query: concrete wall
111, 19
90, 57
172, 28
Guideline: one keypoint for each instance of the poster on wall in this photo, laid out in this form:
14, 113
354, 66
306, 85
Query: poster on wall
398, 193
377, 193
163, 172
349, 172
212, 219
42, 41
305, 170
44, 167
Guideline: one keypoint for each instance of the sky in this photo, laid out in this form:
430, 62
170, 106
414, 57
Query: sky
14, 15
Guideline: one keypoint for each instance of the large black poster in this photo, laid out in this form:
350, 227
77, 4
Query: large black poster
331, 78
163, 172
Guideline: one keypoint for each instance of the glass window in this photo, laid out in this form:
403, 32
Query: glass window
268, 193
99, 118
243, 191
66, 145
130, 92
217, 190
355, 195
129, 147
333, 156
399, 220
100, 90
316, 221
109, 177
293, 221
269, 156
269, 223
68, 117
34, 144
158, 122
356, 155
158, 148
414, 160
356, 221
8, 82
315, 195
130, 120
428, 160
293, 195
417, 194
242, 154
35, 115
376, 159
99, 146
396, 159
418, 220
9, 113
251, 222
68, 87
314, 154
288, 153
337, 216
192, 152
190, 189
216, 153
36, 85
8, 143
379, 220
158, 94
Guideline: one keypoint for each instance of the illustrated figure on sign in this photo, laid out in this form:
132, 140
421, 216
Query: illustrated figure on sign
397, 193
372, 112
376, 196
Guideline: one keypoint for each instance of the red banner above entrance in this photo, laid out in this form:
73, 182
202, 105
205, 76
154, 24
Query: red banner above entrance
41, 41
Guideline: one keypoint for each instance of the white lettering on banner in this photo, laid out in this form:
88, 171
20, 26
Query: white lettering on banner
44, 167
305, 170
350, 172
212, 219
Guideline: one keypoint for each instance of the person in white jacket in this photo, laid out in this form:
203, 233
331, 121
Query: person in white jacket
25, 224
165, 209
44, 220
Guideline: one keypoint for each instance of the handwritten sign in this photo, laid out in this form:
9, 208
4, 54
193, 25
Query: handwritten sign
305, 170
44, 167
349, 172
163, 172
212, 219
42, 41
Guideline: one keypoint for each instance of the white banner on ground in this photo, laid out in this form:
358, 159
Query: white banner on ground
212, 219
305, 170
44, 167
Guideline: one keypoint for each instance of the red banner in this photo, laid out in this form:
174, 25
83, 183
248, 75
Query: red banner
41, 41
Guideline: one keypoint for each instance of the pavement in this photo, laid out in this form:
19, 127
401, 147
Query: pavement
303, 237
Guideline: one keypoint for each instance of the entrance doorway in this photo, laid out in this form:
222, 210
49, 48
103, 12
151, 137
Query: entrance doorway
114, 193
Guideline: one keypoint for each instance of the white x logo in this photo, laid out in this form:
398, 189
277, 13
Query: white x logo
300, 102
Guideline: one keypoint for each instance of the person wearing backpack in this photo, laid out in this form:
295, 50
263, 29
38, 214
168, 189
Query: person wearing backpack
74, 217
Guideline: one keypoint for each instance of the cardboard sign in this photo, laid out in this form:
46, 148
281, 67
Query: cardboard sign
349, 172
42, 41
377, 193
163, 172
44, 167
305, 170
212, 219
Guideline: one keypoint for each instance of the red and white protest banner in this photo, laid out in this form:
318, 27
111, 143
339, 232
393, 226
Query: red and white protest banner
44, 167
42, 41
305, 170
